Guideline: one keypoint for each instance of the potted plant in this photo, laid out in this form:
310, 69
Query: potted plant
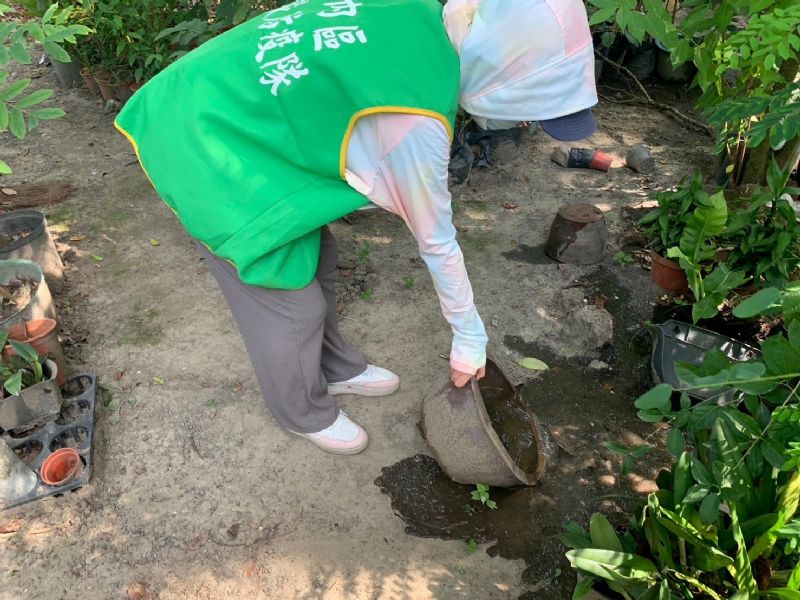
30, 392
663, 227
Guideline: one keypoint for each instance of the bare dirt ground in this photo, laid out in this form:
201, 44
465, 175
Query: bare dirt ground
197, 493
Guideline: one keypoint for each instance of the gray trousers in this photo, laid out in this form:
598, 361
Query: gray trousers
292, 337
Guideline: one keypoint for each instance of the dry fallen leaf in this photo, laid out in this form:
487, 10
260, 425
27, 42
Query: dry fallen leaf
158, 381
154, 242
9, 192
461, 228
199, 541
11, 526
510, 206
237, 387
120, 374
249, 568
77, 238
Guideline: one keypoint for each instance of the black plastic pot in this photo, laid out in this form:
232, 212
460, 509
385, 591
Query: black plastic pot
37, 246
667, 72
68, 74
34, 405
641, 60
675, 342
72, 428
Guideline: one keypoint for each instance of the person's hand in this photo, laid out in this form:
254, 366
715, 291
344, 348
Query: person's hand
461, 379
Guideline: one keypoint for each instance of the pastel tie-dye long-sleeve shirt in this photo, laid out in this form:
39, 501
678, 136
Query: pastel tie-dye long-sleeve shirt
521, 60
400, 163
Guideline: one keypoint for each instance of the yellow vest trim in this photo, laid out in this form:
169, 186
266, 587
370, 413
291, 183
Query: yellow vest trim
386, 110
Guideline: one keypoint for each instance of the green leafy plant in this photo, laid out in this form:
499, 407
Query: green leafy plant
481, 494
630, 455
664, 225
409, 283
622, 258
746, 54
764, 235
24, 369
724, 521
472, 547
206, 19
367, 295
20, 110
696, 253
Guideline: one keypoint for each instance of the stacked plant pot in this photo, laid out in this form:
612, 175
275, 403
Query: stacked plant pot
29, 268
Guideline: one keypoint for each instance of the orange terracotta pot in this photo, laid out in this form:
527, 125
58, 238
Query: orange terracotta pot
668, 275
61, 467
42, 334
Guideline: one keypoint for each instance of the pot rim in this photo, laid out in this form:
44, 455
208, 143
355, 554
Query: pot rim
664, 261
21, 215
50, 458
486, 422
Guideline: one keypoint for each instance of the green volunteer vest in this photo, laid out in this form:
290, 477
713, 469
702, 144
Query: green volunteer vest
245, 138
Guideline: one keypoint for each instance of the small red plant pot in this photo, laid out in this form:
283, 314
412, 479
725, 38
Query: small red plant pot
61, 467
601, 161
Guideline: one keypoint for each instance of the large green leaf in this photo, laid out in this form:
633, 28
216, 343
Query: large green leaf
780, 356
681, 477
3, 117
574, 536
603, 534
697, 584
34, 98
787, 506
19, 53
621, 567
27, 352
779, 594
14, 90
13, 384
794, 577
740, 478
44, 114
657, 398
742, 570
16, 123
706, 221
722, 279
56, 52
583, 588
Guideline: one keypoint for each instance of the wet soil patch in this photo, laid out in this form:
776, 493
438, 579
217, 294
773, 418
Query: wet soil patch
16, 295
582, 408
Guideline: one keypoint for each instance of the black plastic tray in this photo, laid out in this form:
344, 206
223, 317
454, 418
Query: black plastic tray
76, 422
675, 342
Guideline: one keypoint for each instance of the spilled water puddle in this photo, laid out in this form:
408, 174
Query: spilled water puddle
581, 408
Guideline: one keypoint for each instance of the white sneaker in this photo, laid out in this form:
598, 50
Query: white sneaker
343, 437
375, 381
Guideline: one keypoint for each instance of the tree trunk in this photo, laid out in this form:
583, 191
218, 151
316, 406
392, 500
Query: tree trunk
755, 170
